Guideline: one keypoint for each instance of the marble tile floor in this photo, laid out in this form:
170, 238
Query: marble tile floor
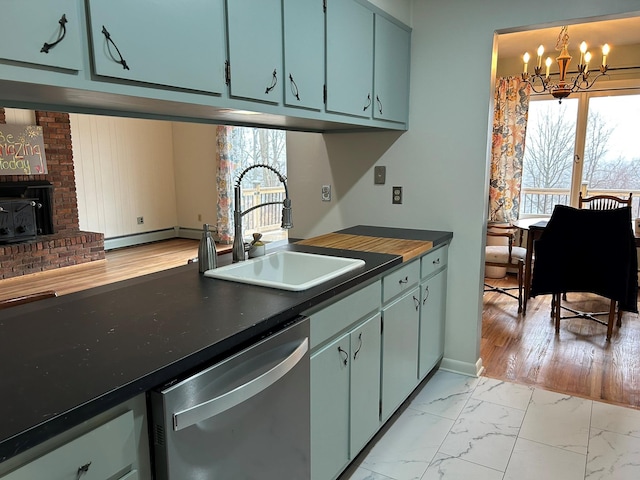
459, 427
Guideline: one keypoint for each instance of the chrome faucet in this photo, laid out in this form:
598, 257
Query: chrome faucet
238, 243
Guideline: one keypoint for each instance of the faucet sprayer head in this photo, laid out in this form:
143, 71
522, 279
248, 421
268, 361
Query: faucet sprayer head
286, 214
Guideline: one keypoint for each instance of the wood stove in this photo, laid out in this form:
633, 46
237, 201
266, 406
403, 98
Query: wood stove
18, 219
25, 210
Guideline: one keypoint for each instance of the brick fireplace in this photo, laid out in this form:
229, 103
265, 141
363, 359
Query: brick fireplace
67, 245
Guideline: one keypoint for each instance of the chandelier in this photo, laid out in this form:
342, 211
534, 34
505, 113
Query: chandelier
564, 87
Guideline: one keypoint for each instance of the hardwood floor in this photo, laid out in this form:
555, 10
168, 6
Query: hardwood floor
521, 349
526, 350
119, 264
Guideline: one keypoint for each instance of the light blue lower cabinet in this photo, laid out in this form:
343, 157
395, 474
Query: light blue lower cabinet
345, 392
432, 319
365, 384
330, 409
399, 350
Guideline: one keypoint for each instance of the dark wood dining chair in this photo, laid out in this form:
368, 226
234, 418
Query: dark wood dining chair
31, 297
604, 202
510, 255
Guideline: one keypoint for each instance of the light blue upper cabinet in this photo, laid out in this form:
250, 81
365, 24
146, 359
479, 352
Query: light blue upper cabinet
349, 58
160, 42
42, 32
255, 49
391, 71
304, 53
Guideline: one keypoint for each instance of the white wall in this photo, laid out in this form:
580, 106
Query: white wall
194, 153
442, 160
124, 170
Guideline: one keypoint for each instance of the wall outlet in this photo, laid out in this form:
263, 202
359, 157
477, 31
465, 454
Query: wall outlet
397, 195
326, 193
140, 220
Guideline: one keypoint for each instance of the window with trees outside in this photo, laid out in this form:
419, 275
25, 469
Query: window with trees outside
589, 143
250, 146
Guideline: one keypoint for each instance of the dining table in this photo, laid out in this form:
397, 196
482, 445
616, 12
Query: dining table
533, 228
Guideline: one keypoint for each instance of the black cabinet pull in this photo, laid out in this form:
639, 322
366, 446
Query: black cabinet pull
368, 103
416, 302
436, 261
346, 355
274, 81
294, 88
122, 61
426, 295
379, 104
355, 354
82, 470
406, 280
63, 31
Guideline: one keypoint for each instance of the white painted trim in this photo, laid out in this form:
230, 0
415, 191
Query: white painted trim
140, 238
465, 368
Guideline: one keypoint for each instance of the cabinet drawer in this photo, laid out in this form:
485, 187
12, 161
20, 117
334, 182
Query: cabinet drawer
402, 280
434, 260
107, 450
337, 317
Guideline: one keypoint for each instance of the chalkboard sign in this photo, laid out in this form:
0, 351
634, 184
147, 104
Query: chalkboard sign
22, 150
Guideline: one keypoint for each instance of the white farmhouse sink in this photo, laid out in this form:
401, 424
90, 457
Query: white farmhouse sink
286, 270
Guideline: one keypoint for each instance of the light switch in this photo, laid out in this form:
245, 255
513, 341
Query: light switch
379, 175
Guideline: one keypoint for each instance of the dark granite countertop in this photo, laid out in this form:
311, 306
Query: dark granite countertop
66, 359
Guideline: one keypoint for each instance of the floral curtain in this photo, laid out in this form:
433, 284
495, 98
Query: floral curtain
507, 149
224, 181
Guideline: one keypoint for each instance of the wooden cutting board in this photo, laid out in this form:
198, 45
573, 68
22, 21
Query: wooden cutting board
408, 249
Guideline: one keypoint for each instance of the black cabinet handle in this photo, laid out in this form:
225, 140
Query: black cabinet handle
416, 302
294, 88
355, 354
346, 355
63, 31
379, 104
274, 81
426, 295
82, 470
436, 261
406, 280
368, 103
122, 61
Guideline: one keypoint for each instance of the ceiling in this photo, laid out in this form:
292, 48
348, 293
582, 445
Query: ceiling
624, 31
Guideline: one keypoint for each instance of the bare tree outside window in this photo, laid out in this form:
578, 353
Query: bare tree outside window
610, 162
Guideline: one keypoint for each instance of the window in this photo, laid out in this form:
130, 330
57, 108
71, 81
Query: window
587, 143
251, 146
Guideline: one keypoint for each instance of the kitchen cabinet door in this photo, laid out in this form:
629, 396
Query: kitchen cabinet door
49, 37
399, 350
349, 58
432, 320
365, 383
151, 41
391, 73
304, 53
330, 409
255, 49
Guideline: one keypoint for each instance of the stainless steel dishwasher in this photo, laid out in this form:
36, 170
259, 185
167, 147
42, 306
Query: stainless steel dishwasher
246, 417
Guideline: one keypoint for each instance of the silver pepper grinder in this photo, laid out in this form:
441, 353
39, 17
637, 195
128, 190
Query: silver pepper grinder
207, 256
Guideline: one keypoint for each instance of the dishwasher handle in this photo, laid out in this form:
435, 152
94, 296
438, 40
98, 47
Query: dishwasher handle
217, 405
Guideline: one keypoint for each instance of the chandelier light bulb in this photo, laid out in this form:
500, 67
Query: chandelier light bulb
540, 52
526, 58
605, 52
547, 62
587, 59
